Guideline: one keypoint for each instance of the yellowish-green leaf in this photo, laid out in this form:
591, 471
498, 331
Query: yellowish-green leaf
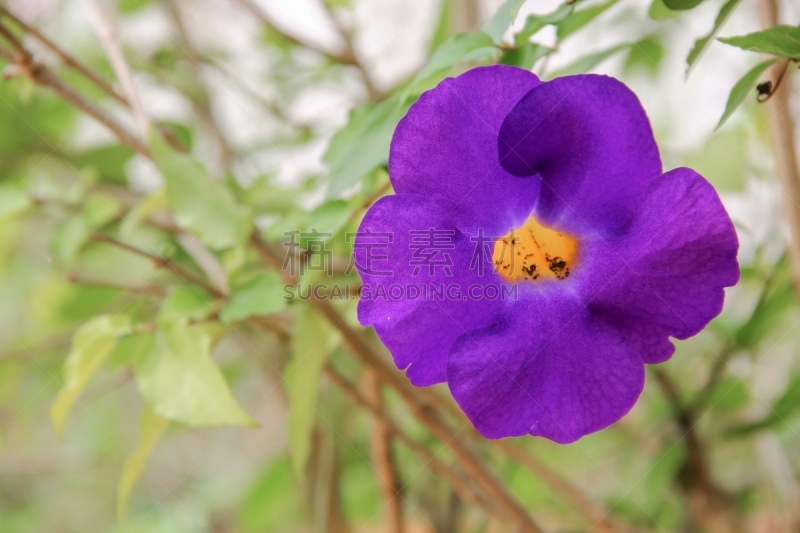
312, 342
202, 205
151, 428
13, 200
91, 346
262, 295
182, 383
187, 301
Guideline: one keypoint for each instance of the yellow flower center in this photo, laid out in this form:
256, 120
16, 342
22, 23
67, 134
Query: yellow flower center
534, 252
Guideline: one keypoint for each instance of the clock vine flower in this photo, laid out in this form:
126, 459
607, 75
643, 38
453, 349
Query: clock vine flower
535, 255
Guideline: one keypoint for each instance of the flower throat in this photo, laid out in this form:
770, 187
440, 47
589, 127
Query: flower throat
534, 252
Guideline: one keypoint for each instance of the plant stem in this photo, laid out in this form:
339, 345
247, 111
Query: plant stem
382, 456
781, 125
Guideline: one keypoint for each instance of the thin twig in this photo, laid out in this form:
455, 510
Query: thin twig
104, 29
350, 54
460, 484
383, 458
200, 97
709, 505
156, 290
160, 262
23, 64
68, 59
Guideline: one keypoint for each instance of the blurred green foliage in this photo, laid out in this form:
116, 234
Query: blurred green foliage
184, 392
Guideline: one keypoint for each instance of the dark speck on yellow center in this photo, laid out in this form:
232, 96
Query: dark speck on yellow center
534, 252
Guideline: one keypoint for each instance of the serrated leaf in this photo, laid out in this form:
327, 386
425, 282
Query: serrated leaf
151, 428
782, 41
91, 346
312, 341
203, 206
182, 383
363, 143
449, 53
587, 63
701, 44
187, 301
262, 295
580, 18
742, 88
682, 5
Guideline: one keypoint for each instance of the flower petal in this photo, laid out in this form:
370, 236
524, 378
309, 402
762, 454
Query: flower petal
665, 273
589, 139
547, 369
445, 149
420, 331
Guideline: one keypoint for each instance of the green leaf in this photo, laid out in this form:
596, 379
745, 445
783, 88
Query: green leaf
503, 18
151, 428
525, 55
363, 143
534, 23
329, 217
91, 346
782, 41
450, 52
202, 205
100, 210
729, 395
182, 383
658, 11
742, 88
187, 301
67, 239
682, 5
109, 161
587, 63
260, 296
701, 44
272, 502
766, 313
313, 340
14, 200
578, 19
646, 54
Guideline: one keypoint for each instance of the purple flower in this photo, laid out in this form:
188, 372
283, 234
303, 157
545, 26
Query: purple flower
601, 255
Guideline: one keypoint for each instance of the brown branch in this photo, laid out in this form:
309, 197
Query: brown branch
351, 58
425, 413
782, 127
24, 64
201, 99
68, 59
106, 34
710, 506
457, 481
74, 277
160, 262
382, 456
270, 23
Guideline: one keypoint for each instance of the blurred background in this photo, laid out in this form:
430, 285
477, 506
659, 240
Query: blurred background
115, 288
